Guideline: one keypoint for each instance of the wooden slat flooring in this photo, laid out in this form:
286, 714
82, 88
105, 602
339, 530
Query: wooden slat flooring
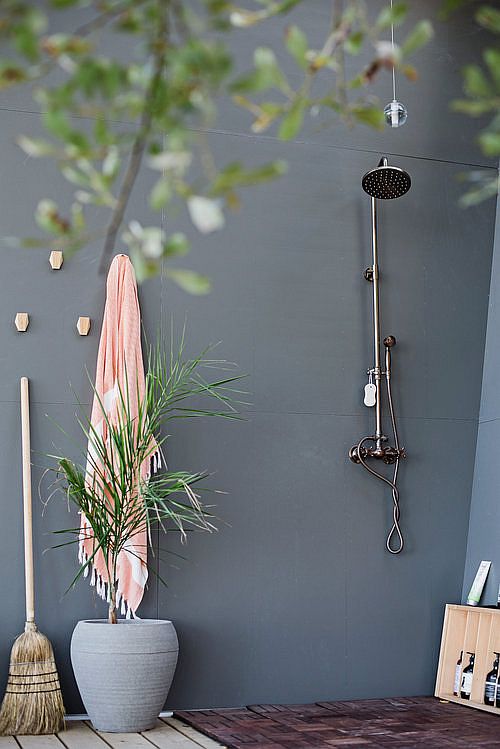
79, 735
402, 723
168, 734
192, 734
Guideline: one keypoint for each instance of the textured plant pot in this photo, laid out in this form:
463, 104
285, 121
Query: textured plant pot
124, 671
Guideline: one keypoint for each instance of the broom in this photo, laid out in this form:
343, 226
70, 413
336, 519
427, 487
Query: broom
33, 700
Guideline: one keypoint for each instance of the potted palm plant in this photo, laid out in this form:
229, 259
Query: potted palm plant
124, 667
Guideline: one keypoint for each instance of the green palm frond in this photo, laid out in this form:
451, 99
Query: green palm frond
169, 500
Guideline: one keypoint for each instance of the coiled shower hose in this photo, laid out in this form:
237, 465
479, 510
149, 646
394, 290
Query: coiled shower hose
396, 529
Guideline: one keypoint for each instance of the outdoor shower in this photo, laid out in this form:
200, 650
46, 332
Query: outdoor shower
382, 183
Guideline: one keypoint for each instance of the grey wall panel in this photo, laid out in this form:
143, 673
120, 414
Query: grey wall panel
394, 605
483, 539
274, 607
484, 536
270, 587
490, 399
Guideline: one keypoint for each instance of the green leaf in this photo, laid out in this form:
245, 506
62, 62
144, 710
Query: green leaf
235, 175
475, 82
160, 194
488, 188
63, 3
11, 74
372, 116
489, 17
57, 123
266, 74
111, 163
492, 59
448, 7
75, 176
188, 280
48, 218
78, 218
297, 45
34, 147
389, 16
176, 246
421, 35
490, 143
292, 121
354, 43
474, 108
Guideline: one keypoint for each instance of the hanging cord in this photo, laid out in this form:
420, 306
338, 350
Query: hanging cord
396, 529
395, 492
393, 67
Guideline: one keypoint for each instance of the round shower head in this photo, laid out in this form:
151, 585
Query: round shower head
386, 182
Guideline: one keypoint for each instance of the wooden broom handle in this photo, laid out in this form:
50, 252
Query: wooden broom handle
28, 521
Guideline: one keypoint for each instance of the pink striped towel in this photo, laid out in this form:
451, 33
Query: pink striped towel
119, 366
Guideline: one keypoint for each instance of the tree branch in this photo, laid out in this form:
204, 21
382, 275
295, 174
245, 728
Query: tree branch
138, 146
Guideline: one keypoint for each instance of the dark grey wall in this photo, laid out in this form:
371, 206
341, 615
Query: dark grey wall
296, 598
483, 540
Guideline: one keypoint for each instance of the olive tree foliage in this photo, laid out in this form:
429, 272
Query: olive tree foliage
104, 117
482, 98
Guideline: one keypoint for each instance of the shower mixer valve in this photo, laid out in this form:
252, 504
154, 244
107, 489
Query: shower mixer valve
387, 453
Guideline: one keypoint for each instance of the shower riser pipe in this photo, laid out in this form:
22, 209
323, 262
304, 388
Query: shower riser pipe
377, 372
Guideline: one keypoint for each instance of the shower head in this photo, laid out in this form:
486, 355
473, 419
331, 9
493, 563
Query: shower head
386, 182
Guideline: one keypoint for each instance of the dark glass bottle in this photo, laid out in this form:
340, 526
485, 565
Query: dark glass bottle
490, 685
458, 670
466, 686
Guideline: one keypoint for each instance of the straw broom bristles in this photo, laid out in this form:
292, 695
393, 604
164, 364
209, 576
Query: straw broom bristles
33, 701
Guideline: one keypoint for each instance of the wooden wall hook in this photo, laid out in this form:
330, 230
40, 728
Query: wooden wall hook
56, 259
83, 325
21, 321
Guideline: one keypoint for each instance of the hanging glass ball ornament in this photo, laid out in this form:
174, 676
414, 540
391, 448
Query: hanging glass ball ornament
395, 113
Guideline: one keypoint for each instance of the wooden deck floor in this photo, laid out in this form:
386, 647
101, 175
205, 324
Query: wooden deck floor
168, 734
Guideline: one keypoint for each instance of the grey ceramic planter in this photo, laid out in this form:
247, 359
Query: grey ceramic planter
124, 671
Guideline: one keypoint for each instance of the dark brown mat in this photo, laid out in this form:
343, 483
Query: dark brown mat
401, 723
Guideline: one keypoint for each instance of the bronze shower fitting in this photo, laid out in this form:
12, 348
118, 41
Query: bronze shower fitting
382, 183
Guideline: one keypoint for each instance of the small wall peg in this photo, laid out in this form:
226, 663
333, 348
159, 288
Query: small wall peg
56, 259
21, 321
83, 325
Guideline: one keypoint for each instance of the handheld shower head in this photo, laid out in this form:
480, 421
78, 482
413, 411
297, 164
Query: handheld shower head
386, 182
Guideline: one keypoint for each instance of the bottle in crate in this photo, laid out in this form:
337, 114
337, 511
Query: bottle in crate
466, 686
458, 670
491, 684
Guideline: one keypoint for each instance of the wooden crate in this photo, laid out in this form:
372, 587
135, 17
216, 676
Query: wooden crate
468, 628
